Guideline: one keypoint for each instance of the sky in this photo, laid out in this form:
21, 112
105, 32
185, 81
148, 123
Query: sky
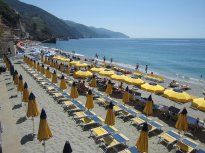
136, 18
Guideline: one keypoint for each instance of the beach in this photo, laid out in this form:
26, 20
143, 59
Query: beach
63, 127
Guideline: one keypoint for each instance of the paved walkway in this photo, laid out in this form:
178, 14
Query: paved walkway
10, 135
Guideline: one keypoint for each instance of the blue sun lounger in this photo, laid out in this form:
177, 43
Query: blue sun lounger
132, 149
186, 145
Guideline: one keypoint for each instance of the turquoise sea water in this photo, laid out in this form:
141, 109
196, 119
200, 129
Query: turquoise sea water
181, 58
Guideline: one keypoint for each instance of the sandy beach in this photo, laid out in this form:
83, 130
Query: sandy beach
64, 128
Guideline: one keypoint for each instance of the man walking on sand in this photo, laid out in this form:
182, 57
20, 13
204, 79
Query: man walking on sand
146, 67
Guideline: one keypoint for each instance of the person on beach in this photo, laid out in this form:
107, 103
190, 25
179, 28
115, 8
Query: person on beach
96, 55
111, 60
137, 67
146, 68
104, 59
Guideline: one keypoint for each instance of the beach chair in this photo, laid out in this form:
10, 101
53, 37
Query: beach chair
169, 137
75, 107
132, 149
140, 120
114, 140
90, 121
186, 145
102, 131
200, 151
101, 102
154, 125
127, 113
82, 114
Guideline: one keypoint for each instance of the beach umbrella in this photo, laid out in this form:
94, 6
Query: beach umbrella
108, 90
54, 77
74, 91
89, 102
142, 142
38, 67
126, 96
182, 123
148, 109
73, 63
110, 116
79, 65
134, 81
67, 148
25, 97
44, 132
63, 84
56, 65
106, 72
48, 73
93, 82
16, 78
153, 87
32, 110
20, 84
118, 77
83, 74
177, 95
67, 71
34, 65
42, 69
11, 70
97, 69
138, 73
61, 67
199, 103
42, 59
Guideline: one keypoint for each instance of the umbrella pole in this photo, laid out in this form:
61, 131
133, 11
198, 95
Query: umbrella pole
33, 126
44, 146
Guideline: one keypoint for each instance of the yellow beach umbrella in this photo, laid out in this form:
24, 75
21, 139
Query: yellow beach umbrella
38, 67
134, 81
25, 97
138, 73
110, 116
148, 109
93, 82
177, 95
126, 96
42, 59
81, 65
16, 78
108, 90
34, 65
200, 102
67, 71
44, 132
182, 123
97, 69
153, 87
89, 102
73, 63
83, 74
48, 73
63, 84
74, 91
61, 67
42, 69
106, 72
118, 77
142, 142
54, 77
20, 84
56, 65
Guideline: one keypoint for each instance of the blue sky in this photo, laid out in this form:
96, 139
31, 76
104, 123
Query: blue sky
136, 18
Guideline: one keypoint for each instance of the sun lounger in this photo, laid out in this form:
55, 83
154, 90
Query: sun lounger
126, 112
111, 141
169, 137
90, 120
186, 145
140, 120
102, 131
200, 151
79, 115
132, 149
192, 121
153, 125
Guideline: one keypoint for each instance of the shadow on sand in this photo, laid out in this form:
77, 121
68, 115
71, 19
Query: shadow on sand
13, 96
21, 120
17, 106
26, 138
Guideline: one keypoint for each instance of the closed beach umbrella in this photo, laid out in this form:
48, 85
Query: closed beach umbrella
134, 81
61, 67
83, 74
25, 97
182, 123
16, 78
106, 72
67, 71
126, 96
118, 77
110, 116
67, 148
56, 65
153, 87
54, 77
48, 73
74, 91
108, 90
34, 65
199, 103
63, 84
38, 67
93, 82
148, 109
177, 95
20, 84
11, 70
89, 102
42, 69
42, 59
97, 69
142, 142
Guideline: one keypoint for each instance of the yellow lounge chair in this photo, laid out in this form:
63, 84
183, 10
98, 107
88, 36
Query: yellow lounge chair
140, 120
186, 145
90, 120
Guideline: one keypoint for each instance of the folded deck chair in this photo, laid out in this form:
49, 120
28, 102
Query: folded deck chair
102, 131
140, 120
154, 126
169, 137
132, 149
90, 120
111, 141
186, 145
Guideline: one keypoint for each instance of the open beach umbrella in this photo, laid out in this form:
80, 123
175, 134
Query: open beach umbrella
148, 109
126, 97
44, 132
97, 69
20, 84
153, 87
93, 82
16, 78
32, 110
83, 74
25, 97
110, 116
134, 81
79, 65
54, 77
67, 148
138, 73
42, 69
142, 142
67, 71
73, 63
199, 103
89, 102
182, 123
74, 91
108, 89
118, 77
48, 73
106, 72
63, 84
177, 95
38, 67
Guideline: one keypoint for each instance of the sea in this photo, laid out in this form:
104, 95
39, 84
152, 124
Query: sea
180, 59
